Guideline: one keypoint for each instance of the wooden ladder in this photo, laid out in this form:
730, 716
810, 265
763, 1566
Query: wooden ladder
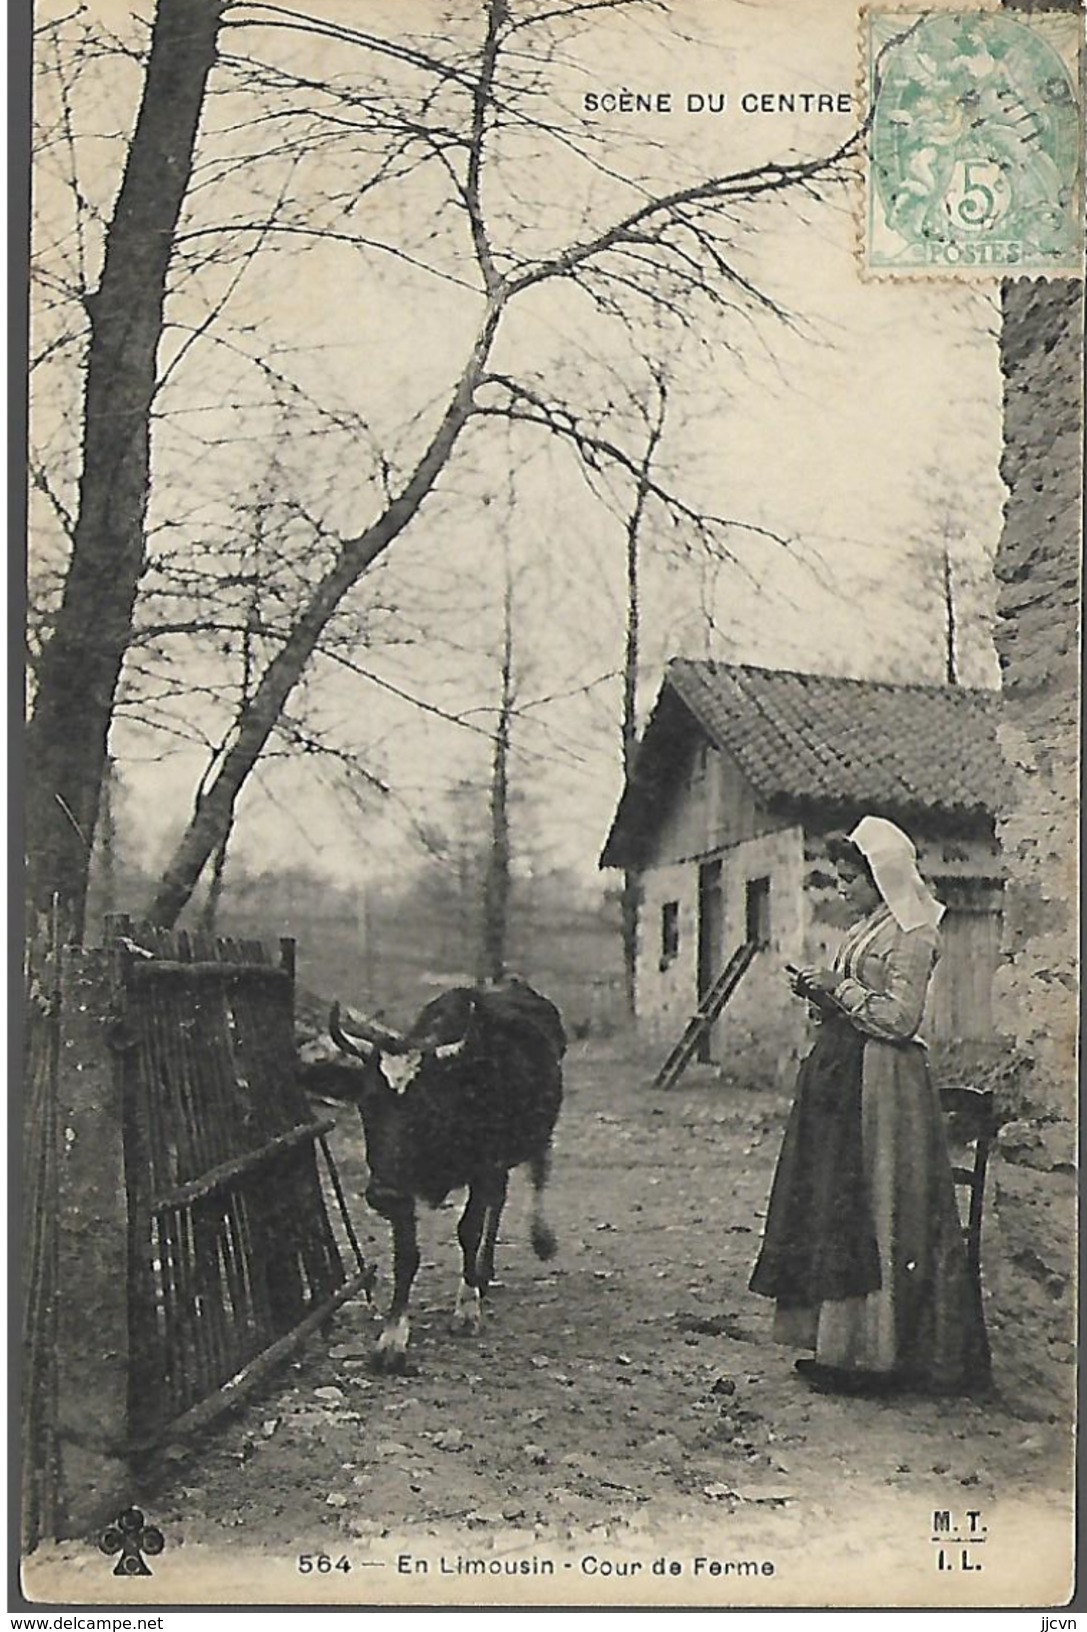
713, 1001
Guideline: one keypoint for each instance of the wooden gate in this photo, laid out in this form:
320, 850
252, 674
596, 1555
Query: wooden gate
185, 1223
232, 1253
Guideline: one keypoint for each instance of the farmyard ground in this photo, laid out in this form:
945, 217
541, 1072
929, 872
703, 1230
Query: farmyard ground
622, 1415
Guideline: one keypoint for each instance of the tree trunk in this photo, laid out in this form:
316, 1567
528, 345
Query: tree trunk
630, 902
951, 667
209, 913
107, 840
257, 720
496, 888
80, 665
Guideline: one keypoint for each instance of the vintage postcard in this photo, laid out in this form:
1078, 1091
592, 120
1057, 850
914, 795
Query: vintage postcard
551, 805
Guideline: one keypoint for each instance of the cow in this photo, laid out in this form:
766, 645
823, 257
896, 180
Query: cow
472, 1090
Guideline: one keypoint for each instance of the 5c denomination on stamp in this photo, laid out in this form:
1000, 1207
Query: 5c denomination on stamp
975, 143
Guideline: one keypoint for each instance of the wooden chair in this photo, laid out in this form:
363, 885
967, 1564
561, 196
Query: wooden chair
972, 1121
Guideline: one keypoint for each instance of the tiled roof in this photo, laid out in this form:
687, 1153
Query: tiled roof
814, 739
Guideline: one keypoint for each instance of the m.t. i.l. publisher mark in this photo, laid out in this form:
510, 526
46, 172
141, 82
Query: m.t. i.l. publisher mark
957, 1539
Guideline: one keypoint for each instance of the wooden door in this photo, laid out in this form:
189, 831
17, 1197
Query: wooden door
960, 1006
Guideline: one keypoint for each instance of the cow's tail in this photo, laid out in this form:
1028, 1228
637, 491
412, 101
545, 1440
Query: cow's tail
544, 1243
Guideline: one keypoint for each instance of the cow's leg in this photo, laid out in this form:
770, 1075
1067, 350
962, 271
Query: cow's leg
485, 1256
392, 1346
469, 1234
477, 1231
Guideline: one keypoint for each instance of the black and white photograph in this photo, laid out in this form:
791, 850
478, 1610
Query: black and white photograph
546, 1060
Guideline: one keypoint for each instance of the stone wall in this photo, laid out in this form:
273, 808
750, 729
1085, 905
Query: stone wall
666, 984
1037, 637
762, 1033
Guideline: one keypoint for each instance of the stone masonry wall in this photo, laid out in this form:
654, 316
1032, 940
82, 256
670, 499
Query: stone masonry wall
1038, 568
1037, 637
759, 1036
762, 1033
666, 986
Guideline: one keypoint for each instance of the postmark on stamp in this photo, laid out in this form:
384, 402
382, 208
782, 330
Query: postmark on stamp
974, 156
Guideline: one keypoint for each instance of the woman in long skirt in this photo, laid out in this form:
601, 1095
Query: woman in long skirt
863, 1248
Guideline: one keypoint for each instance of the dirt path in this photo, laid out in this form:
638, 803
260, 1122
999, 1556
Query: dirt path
621, 1404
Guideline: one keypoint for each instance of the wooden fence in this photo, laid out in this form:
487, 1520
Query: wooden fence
185, 1223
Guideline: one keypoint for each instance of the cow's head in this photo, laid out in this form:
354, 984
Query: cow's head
385, 1064
439, 1034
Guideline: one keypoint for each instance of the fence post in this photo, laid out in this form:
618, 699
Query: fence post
92, 1254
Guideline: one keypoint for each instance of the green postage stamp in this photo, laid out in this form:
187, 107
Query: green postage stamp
974, 152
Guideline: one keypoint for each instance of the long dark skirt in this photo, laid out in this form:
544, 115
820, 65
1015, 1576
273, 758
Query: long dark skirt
819, 1241
921, 1316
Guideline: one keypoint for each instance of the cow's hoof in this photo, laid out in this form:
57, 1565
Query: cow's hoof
466, 1313
544, 1242
391, 1353
392, 1363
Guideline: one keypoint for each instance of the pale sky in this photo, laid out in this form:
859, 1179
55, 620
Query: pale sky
865, 432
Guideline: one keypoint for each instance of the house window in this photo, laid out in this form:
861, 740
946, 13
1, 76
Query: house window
757, 911
669, 931
700, 763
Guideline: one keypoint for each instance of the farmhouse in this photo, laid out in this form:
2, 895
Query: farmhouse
741, 775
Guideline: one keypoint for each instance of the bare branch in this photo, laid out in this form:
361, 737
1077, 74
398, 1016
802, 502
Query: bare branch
593, 449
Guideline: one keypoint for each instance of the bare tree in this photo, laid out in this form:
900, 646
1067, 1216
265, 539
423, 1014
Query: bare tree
496, 882
670, 252
79, 666
630, 900
954, 583
951, 672
448, 127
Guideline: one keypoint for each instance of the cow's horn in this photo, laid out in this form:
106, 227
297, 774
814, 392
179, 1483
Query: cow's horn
366, 1040
453, 1046
449, 1051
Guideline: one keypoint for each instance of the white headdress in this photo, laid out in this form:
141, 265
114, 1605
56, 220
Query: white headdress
891, 855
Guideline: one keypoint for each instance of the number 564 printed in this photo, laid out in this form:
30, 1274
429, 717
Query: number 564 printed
322, 1564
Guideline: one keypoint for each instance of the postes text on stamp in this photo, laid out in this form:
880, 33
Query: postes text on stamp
974, 154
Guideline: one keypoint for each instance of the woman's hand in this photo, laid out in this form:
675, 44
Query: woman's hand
815, 985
